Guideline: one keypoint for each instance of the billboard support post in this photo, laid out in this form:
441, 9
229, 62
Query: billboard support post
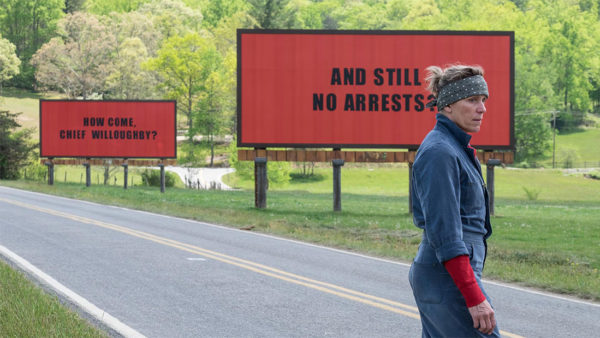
410, 190
125, 172
337, 184
162, 177
50, 166
491, 163
260, 182
88, 178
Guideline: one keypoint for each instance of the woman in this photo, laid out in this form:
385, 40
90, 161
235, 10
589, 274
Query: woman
450, 204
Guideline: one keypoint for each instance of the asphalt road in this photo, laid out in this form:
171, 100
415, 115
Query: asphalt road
169, 277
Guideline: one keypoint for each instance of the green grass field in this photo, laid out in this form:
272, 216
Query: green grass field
580, 143
26, 103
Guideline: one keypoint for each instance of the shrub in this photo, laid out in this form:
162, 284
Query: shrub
532, 194
35, 172
151, 177
278, 173
594, 175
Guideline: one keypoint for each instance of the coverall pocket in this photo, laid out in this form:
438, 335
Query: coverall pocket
428, 282
471, 198
476, 256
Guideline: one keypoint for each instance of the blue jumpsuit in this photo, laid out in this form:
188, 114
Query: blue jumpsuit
450, 204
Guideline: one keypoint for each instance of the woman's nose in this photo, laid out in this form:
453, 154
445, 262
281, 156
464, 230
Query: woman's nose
481, 107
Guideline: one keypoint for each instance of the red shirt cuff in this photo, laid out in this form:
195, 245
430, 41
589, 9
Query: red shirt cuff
463, 276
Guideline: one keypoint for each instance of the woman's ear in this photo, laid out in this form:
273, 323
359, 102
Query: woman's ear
447, 109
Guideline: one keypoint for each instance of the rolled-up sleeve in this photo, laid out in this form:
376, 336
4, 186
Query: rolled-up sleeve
436, 174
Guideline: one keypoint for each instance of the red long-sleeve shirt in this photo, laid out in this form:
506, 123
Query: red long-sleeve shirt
463, 276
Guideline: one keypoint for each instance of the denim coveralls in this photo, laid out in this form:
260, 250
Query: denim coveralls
450, 203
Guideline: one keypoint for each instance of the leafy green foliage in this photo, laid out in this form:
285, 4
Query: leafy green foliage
78, 61
35, 172
9, 62
272, 14
185, 63
594, 175
28, 24
151, 177
128, 80
532, 193
108, 7
533, 136
15, 145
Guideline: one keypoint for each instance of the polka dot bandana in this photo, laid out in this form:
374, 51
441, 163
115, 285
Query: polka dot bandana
458, 90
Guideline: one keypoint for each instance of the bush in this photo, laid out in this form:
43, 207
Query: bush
301, 177
191, 154
278, 173
15, 145
593, 175
532, 194
35, 172
151, 177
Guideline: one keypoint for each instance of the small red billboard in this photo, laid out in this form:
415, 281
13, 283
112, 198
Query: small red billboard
362, 89
121, 129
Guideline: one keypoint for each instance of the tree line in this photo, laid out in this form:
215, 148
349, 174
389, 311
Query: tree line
186, 50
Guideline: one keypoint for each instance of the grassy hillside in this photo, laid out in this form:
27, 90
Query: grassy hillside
578, 148
584, 145
25, 102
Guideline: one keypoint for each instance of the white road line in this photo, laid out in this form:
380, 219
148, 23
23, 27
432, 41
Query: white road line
81, 302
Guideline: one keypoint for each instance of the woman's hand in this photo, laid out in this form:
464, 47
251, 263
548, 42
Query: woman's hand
483, 317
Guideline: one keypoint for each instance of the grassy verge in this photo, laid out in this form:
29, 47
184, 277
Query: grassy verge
549, 242
26, 311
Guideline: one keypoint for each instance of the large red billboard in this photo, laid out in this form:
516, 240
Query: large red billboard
363, 89
123, 129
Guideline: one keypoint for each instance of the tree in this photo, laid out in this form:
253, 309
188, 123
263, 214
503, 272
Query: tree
423, 15
181, 64
134, 25
172, 17
272, 13
15, 145
216, 10
533, 136
72, 6
109, 7
79, 61
28, 24
572, 50
127, 79
213, 101
137, 39
225, 35
360, 15
9, 62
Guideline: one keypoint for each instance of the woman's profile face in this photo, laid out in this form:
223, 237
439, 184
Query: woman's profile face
467, 113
